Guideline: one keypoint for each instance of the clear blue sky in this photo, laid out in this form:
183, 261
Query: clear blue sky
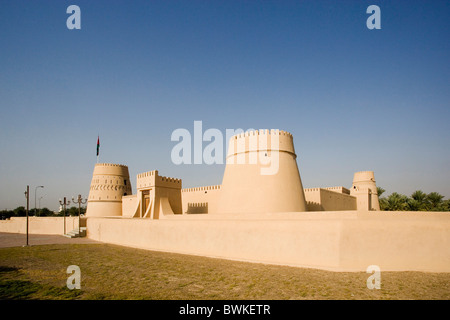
354, 99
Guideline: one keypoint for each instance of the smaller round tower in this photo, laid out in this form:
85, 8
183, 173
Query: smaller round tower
109, 183
365, 189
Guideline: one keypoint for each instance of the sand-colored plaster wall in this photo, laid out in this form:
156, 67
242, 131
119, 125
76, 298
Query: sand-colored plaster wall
339, 241
130, 206
40, 225
200, 199
321, 199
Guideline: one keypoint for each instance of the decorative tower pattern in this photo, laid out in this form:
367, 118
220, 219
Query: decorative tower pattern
109, 183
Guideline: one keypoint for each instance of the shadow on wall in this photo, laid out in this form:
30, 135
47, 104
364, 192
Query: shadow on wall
197, 208
314, 206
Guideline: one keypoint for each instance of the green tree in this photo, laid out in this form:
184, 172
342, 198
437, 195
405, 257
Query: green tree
45, 212
380, 191
397, 202
446, 205
6, 214
20, 212
414, 205
73, 211
383, 204
418, 201
436, 201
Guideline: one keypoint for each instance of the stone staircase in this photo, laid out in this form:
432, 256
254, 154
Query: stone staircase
75, 234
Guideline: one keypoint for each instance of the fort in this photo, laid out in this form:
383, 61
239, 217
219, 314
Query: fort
251, 184
262, 213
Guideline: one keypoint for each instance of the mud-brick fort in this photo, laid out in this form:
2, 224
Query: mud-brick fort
261, 213
245, 188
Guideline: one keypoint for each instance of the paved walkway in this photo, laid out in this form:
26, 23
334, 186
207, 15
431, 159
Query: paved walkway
8, 240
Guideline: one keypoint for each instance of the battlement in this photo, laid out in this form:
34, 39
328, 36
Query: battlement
110, 165
168, 179
198, 204
147, 174
311, 189
261, 140
152, 179
363, 176
110, 169
206, 188
262, 132
339, 189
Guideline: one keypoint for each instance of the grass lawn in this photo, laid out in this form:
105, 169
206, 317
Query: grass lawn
115, 272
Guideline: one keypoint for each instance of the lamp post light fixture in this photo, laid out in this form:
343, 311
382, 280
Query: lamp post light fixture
35, 209
64, 203
80, 201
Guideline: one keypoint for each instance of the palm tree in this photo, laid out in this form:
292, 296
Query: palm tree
436, 201
397, 202
419, 201
415, 205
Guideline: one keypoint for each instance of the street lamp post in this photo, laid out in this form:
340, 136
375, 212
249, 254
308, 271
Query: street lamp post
66, 202
39, 201
27, 196
79, 201
35, 209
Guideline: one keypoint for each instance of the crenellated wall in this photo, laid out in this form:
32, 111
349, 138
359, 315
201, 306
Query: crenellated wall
200, 199
156, 197
323, 199
339, 189
153, 179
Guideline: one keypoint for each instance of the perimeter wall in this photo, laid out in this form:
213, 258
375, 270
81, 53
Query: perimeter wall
40, 225
337, 241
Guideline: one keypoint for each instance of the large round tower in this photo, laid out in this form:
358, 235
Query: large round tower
261, 174
109, 183
364, 187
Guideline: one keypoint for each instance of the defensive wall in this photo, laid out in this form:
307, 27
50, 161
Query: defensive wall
329, 199
40, 225
260, 213
336, 241
200, 199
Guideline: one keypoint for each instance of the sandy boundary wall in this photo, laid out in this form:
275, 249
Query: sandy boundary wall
40, 225
336, 241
